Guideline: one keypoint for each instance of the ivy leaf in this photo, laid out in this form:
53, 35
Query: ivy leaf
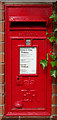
54, 16
47, 56
55, 40
53, 63
51, 38
46, 33
50, 34
55, 34
55, 28
53, 73
44, 63
54, 6
53, 12
48, 37
53, 56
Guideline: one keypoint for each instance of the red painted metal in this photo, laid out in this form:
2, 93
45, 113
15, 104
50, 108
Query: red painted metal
30, 94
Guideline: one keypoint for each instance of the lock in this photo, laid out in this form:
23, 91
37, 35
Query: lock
19, 80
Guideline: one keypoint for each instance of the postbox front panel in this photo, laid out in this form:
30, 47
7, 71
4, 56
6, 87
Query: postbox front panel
28, 86
27, 89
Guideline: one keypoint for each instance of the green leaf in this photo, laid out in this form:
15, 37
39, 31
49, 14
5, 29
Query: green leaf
51, 38
44, 63
55, 40
50, 34
55, 28
53, 63
56, 34
53, 12
54, 16
53, 56
54, 6
46, 33
48, 37
53, 73
47, 56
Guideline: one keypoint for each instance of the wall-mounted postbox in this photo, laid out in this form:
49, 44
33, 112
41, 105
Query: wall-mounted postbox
27, 86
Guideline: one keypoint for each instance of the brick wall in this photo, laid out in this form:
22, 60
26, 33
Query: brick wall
1, 60
54, 81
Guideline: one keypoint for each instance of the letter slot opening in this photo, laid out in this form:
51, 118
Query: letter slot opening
18, 25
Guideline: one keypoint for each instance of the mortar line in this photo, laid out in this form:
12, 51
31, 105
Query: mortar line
2, 63
19, 118
2, 105
54, 94
54, 84
54, 53
2, 21
54, 115
1, 114
54, 105
2, 42
2, 52
2, 73
1, 10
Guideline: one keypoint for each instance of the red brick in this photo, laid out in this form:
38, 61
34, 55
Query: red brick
1, 6
1, 79
1, 117
1, 110
2, 26
1, 47
55, 48
1, 58
1, 15
2, 99
54, 110
54, 80
1, 37
1, 89
1, 68
54, 89
54, 100
54, 117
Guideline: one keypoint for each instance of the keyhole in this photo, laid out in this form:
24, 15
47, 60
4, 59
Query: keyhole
18, 78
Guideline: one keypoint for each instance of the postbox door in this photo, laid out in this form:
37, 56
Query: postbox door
29, 83
27, 86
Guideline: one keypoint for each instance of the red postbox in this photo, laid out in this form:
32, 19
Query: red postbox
27, 86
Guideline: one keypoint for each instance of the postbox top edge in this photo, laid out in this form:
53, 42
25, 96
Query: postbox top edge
28, 5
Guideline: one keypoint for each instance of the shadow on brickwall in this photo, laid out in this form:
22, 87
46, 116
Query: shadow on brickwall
17, 118
9, 118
